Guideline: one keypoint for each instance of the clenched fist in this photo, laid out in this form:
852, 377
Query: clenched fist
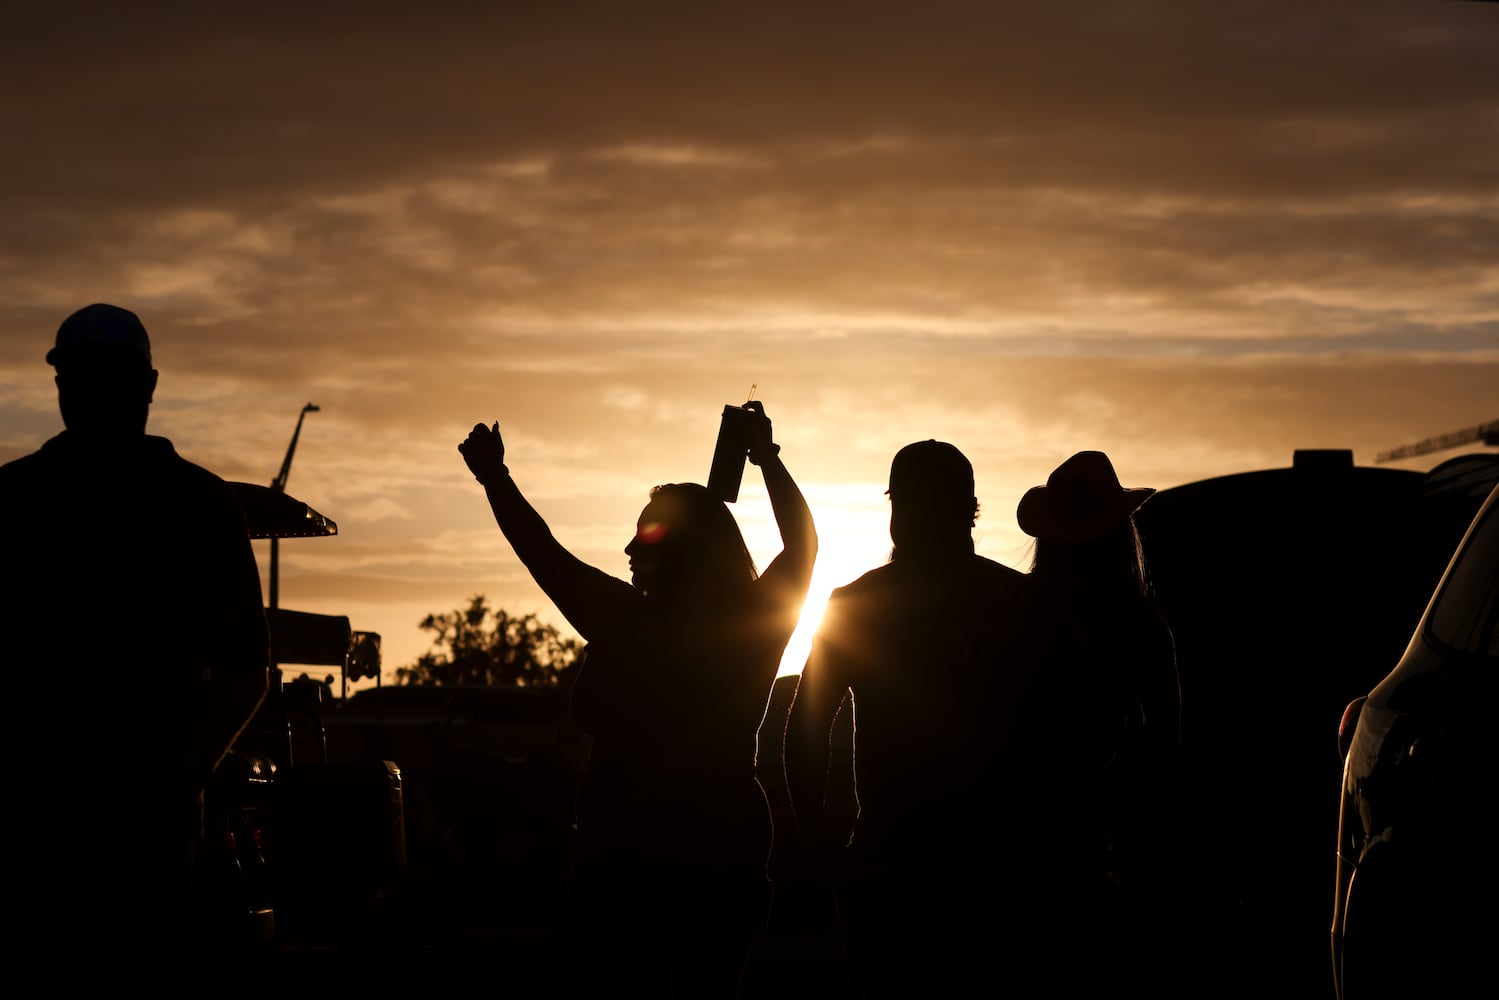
484, 452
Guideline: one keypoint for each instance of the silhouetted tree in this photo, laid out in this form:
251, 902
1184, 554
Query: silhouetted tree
484, 645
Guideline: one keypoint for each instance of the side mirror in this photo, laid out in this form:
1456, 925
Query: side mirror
364, 656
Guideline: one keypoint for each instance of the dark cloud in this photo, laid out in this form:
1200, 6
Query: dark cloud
207, 102
1199, 235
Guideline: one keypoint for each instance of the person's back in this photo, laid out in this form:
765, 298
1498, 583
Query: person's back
1101, 714
672, 703
924, 646
138, 652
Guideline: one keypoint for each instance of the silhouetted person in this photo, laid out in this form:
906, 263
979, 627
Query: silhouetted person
923, 647
1100, 725
674, 829
136, 652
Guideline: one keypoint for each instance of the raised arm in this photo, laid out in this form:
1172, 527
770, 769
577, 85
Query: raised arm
592, 600
789, 574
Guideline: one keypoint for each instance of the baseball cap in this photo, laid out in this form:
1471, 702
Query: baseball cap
101, 328
933, 469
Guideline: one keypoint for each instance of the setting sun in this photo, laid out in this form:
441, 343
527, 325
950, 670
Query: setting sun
853, 531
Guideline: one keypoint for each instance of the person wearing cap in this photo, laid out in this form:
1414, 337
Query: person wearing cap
1100, 724
919, 650
137, 652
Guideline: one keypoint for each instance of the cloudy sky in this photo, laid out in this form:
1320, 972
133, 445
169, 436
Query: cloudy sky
1196, 236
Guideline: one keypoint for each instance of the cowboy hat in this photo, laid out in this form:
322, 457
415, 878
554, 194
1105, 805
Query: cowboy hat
1081, 501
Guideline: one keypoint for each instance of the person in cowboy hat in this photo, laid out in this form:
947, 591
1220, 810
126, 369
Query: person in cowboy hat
1101, 713
1081, 502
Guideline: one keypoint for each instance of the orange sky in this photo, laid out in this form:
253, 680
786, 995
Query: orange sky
1197, 236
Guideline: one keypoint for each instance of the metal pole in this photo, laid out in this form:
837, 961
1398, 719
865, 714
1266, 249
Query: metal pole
279, 485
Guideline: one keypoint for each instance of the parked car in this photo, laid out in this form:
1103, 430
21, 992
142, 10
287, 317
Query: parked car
1290, 591
1413, 910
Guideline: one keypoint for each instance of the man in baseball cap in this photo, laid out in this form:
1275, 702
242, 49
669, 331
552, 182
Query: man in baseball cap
932, 506
134, 610
101, 331
105, 382
920, 647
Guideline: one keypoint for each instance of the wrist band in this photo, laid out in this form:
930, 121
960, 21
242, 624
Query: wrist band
760, 454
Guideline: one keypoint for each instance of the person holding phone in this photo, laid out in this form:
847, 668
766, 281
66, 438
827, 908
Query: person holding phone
673, 828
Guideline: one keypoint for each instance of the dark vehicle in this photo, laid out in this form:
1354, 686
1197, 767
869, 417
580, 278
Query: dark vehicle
1289, 591
387, 841
1413, 911
489, 776
390, 840
304, 849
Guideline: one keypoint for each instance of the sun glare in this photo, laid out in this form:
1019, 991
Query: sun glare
850, 544
853, 537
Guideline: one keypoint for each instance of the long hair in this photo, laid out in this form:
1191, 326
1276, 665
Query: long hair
1115, 561
703, 551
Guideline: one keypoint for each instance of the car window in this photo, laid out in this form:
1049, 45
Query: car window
1466, 613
